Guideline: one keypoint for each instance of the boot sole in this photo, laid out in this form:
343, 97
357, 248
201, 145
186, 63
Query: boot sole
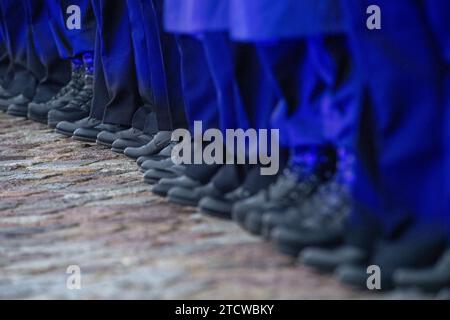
239, 218
163, 174
52, 125
117, 150
284, 245
162, 192
320, 267
183, 201
18, 114
287, 249
131, 157
254, 226
37, 119
151, 181
215, 208
215, 214
83, 139
64, 133
291, 246
103, 144
265, 232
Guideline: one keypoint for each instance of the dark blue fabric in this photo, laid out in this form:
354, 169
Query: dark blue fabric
256, 91
257, 20
315, 79
55, 72
196, 16
82, 40
72, 43
400, 169
15, 30
203, 71
298, 114
24, 63
58, 28
5, 76
439, 17
222, 58
246, 98
156, 71
331, 57
141, 119
198, 85
302, 48
142, 60
101, 96
166, 71
114, 57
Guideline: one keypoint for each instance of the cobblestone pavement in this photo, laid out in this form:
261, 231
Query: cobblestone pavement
68, 203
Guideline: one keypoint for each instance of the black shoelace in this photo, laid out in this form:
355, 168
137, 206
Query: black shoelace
84, 96
329, 206
287, 189
73, 84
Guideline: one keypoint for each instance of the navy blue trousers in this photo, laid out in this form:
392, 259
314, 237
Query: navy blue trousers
4, 59
402, 140
158, 68
172, 114
222, 61
72, 43
145, 117
315, 79
116, 97
198, 86
246, 99
24, 64
55, 72
439, 19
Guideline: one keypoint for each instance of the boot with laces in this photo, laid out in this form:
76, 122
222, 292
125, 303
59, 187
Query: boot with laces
39, 111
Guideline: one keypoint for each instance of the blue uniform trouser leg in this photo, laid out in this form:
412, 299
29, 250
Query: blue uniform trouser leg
315, 79
16, 32
6, 62
165, 68
72, 43
101, 96
255, 88
332, 60
400, 166
144, 118
438, 14
117, 59
81, 40
4, 59
171, 61
293, 75
56, 72
245, 98
58, 28
199, 91
221, 56
157, 73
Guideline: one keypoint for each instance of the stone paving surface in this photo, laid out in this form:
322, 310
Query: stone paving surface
68, 203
